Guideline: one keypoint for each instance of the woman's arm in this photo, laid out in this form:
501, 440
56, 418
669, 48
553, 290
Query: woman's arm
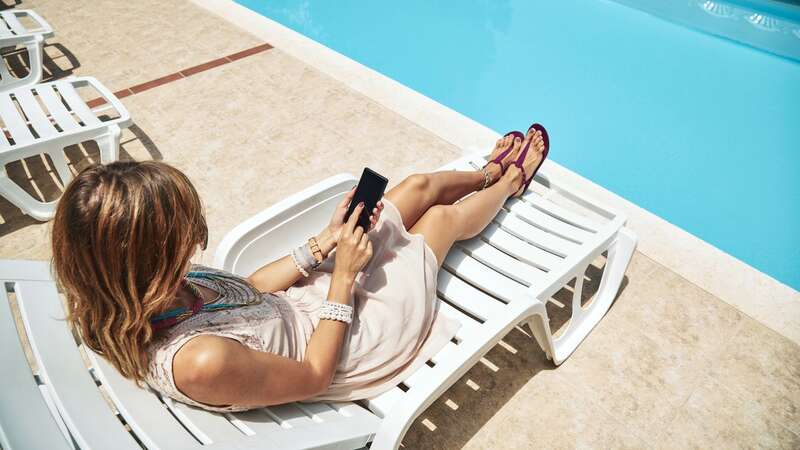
220, 371
280, 274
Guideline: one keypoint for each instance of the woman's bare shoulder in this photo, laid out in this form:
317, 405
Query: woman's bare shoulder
204, 362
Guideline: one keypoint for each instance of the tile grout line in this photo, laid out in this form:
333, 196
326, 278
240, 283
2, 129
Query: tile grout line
184, 73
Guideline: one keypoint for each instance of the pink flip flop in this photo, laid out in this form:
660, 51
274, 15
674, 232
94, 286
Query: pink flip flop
521, 158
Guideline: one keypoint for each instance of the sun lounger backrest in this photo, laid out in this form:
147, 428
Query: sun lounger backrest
278, 229
25, 418
63, 375
67, 404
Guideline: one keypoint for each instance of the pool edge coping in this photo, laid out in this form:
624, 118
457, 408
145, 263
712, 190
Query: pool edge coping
733, 281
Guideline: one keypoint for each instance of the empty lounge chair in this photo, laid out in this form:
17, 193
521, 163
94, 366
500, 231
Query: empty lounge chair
47, 117
14, 33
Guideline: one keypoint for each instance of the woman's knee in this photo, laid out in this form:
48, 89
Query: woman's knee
420, 185
418, 182
444, 216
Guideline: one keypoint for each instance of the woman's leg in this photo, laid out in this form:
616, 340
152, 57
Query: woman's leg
418, 192
442, 225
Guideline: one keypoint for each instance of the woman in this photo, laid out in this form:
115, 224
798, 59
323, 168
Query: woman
293, 330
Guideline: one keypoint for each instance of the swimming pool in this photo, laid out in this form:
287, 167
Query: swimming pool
701, 130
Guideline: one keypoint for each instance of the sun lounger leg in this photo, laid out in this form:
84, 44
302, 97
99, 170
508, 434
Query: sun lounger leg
22, 200
61, 166
541, 332
584, 320
109, 145
35, 57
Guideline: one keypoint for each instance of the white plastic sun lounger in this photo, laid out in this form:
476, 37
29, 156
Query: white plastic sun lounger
14, 33
490, 284
46, 118
61, 406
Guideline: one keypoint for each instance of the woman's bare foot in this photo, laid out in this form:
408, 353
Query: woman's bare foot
531, 162
502, 144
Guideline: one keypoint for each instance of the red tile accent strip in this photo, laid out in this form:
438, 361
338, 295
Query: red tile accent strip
182, 74
123, 93
250, 51
95, 102
155, 83
203, 67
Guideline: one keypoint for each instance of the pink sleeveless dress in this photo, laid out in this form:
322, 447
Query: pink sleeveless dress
396, 325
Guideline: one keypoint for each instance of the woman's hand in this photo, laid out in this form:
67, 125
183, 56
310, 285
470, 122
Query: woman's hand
337, 221
354, 248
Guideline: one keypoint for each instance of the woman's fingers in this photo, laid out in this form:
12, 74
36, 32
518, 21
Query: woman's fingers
348, 197
358, 233
350, 225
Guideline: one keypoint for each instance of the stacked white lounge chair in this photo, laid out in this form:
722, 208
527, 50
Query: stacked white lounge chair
44, 118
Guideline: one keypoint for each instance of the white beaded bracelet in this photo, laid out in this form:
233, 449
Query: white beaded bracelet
336, 311
299, 267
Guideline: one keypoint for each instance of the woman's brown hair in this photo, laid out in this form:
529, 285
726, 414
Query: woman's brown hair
123, 234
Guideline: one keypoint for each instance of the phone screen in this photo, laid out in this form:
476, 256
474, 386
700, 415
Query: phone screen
369, 190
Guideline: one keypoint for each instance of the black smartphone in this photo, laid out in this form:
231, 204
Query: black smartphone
369, 190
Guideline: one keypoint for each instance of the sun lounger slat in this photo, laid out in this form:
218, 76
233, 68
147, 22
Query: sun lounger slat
14, 121
44, 128
468, 324
382, 404
560, 212
419, 376
207, 427
56, 108
14, 24
482, 276
308, 425
26, 418
79, 402
502, 262
149, 418
547, 222
290, 416
76, 104
445, 353
5, 29
466, 297
549, 242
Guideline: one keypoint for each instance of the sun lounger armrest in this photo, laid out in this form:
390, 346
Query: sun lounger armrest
24, 34
124, 119
273, 232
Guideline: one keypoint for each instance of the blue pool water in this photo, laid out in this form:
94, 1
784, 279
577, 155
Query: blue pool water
699, 129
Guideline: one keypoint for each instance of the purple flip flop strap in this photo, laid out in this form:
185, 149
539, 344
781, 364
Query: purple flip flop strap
521, 158
499, 159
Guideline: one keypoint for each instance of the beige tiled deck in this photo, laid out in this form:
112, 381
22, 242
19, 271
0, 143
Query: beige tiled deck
670, 366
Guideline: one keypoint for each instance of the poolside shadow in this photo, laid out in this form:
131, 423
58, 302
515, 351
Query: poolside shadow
458, 414
57, 62
8, 4
36, 176
559, 310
